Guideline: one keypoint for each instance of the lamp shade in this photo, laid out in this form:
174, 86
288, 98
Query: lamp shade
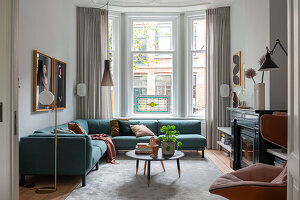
46, 98
268, 65
81, 89
107, 79
224, 90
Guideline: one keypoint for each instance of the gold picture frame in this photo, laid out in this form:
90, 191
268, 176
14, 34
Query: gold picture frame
59, 77
42, 78
49, 74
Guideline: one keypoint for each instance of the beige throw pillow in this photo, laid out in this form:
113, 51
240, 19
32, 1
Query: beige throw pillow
141, 130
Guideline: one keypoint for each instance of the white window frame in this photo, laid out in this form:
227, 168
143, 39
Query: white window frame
189, 18
162, 75
130, 18
115, 17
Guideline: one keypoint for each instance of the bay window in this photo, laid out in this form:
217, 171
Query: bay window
163, 65
197, 58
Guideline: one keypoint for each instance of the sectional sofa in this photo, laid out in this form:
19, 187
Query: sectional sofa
79, 154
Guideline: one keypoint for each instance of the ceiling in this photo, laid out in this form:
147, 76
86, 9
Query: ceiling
153, 3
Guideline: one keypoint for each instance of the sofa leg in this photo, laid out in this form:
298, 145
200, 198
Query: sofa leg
203, 153
22, 180
83, 180
97, 166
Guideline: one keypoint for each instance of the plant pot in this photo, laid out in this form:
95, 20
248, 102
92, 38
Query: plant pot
168, 148
259, 96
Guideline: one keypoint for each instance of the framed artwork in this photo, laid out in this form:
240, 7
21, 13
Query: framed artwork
42, 78
236, 69
60, 83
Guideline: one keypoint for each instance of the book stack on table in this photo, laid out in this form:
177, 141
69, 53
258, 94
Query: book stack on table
143, 148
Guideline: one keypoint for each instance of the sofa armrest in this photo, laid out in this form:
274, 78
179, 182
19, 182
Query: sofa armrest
37, 154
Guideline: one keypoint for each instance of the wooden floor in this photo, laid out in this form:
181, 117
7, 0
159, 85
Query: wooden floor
221, 161
67, 183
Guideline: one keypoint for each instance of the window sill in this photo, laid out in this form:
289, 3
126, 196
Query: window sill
166, 117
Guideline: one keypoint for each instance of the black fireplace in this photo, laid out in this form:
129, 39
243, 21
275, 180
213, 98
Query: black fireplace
248, 147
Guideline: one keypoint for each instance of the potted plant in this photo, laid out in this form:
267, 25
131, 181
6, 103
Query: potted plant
169, 140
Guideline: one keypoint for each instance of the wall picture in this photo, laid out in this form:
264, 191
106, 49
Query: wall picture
60, 83
236, 69
42, 78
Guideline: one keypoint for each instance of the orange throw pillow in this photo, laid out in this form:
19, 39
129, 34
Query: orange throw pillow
76, 128
114, 126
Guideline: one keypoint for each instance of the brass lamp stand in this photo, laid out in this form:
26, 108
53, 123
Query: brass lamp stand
46, 98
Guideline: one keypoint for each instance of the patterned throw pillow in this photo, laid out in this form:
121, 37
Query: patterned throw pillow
76, 128
141, 130
114, 126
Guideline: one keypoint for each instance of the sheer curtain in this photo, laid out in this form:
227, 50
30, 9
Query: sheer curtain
91, 53
218, 71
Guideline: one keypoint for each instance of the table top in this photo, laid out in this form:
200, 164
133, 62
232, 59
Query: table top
160, 156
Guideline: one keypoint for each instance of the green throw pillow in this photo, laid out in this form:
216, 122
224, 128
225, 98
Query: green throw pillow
125, 129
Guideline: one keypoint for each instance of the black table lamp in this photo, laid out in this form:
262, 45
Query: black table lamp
269, 64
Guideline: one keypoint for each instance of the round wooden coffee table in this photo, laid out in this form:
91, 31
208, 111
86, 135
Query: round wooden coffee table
160, 157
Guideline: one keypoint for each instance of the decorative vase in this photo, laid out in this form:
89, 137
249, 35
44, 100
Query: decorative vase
235, 100
168, 148
259, 96
242, 98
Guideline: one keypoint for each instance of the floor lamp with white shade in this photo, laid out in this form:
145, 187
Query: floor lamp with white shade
46, 98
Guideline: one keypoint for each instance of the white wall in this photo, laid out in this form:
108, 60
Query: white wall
50, 27
250, 35
254, 25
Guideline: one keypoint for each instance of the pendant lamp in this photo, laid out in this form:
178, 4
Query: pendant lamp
107, 78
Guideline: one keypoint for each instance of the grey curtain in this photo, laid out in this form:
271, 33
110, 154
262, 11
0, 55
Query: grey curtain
91, 53
218, 71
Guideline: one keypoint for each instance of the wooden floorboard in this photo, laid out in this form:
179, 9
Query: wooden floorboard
66, 184
221, 161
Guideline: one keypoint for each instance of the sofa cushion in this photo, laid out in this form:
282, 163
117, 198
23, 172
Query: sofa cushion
141, 130
98, 126
151, 124
125, 129
83, 123
192, 141
129, 142
114, 126
76, 128
50, 129
100, 144
183, 126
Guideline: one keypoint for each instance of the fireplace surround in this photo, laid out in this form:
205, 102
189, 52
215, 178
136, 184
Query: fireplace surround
247, 145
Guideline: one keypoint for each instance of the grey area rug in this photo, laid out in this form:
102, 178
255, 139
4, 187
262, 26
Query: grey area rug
119, 182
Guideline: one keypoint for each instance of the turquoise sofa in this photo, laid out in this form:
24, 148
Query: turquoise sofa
79, 154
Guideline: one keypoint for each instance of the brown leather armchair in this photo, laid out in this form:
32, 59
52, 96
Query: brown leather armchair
258, 181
